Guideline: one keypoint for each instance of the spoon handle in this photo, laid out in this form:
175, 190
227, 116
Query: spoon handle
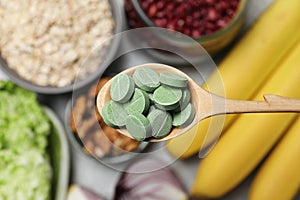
271, 103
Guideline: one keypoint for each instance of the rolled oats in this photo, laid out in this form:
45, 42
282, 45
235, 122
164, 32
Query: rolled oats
46, 42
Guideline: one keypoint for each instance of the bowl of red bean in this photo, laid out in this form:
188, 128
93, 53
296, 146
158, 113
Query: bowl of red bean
212, 23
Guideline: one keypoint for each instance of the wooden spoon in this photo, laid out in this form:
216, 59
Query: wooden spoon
207, 104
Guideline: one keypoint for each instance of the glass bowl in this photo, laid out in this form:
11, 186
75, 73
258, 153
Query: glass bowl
212, 43
107, 55
90, 136
59, 156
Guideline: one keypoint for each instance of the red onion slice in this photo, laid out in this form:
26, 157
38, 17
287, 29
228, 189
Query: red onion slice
150, 184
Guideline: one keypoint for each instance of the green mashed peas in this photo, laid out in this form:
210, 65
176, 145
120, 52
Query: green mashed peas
25, 171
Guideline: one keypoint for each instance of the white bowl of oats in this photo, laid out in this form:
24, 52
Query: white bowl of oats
45, 46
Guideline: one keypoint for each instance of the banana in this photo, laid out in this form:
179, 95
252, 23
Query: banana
279, 176
250, 138
247, 67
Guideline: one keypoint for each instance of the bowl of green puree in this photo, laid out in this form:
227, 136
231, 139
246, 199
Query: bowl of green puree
34, 154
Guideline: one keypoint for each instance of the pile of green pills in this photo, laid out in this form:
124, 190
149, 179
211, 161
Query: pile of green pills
148, 104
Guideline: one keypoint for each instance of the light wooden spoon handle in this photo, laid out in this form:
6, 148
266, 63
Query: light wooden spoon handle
271, 103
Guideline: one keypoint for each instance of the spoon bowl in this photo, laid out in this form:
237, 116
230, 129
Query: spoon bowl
206, 104
104, 96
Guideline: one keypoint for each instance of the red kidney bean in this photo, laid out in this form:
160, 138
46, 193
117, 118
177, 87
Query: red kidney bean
160, 5
152, 11
194, 18
212, 14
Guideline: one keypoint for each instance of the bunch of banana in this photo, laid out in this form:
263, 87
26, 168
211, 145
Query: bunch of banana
265, 60
246, 143
248, 66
